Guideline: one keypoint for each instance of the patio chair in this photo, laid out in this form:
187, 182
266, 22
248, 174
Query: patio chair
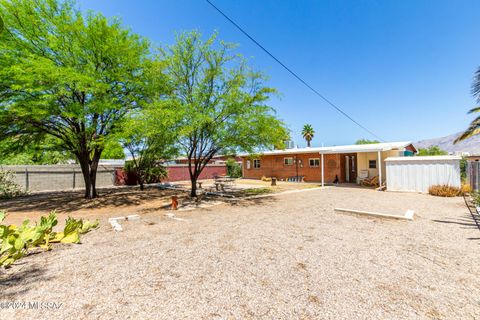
370, 182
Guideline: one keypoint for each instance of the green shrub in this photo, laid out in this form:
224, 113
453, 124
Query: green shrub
444, 191
16, 242
234, 170
145, 172
8, 187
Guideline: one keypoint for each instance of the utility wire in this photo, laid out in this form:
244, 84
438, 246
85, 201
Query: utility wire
293, 73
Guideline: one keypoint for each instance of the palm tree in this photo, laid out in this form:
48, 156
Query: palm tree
474, 127
308, 133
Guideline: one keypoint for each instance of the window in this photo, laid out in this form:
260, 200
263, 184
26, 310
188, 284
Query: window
256, 164
314, 162
288, 161
372, 164
248, 164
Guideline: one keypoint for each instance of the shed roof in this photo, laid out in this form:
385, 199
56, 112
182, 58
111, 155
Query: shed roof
424, 158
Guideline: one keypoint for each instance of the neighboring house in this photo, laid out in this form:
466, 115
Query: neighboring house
325, 164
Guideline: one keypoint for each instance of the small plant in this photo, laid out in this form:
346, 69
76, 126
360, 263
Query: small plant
8, 187
16, 242
444, 191
466, 188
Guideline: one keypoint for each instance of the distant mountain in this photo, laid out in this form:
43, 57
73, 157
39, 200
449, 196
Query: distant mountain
470, 145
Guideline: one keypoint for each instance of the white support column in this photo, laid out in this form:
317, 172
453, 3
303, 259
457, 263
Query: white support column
380, 168
323, 180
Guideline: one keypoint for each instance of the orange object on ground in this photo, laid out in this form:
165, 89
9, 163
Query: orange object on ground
174, 202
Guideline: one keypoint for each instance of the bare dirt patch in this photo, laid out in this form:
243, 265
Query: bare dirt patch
110, 203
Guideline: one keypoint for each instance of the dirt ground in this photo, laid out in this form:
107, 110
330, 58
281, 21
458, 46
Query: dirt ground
111, 203
284, 257
123, 201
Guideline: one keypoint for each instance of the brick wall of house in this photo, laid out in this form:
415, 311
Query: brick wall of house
274, 166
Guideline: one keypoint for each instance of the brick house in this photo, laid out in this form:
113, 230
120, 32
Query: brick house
324, 164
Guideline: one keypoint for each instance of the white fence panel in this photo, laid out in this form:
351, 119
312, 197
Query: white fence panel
417, 174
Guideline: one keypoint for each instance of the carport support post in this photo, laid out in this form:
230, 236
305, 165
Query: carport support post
380, 168
323, 180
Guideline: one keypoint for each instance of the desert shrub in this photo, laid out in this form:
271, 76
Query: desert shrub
466, 188
18, 241
144, 172
8, 187
444, 191
234, 170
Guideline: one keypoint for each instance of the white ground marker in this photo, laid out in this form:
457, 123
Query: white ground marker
114, 222
172, 216
407, 216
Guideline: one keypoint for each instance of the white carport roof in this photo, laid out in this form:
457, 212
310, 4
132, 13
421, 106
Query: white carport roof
384, 146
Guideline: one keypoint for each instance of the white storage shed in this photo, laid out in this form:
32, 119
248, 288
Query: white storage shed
417, 174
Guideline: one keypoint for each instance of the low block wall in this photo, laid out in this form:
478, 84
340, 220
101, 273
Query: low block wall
58, 177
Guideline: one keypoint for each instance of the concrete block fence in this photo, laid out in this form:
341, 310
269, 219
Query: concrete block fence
58, 177
34, 178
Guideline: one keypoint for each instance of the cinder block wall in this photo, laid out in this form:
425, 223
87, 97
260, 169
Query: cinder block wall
58, 177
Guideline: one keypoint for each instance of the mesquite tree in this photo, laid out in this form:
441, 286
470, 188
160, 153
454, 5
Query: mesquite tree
70, 76
219, 102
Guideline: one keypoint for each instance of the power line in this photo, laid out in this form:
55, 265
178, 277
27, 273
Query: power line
293, 73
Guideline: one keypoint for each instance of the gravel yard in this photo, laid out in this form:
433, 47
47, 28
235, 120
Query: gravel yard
283, 257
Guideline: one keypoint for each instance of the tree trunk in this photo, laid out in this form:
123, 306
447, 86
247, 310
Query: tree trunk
93, 171
84, 165
308, 143
193, 179
89, 171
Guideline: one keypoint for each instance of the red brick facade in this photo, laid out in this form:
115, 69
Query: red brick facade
274, 166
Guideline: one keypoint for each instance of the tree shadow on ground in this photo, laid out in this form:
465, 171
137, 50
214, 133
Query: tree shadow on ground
72, 201
466, 221
14, 283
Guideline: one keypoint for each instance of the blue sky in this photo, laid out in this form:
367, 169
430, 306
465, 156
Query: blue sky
401, 68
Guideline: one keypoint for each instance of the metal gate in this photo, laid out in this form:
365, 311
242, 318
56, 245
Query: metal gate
473, 174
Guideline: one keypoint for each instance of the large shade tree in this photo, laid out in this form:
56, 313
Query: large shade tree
220, 104
68, 75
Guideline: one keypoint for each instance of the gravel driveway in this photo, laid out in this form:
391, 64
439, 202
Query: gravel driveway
283, 257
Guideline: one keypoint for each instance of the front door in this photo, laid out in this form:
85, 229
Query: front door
351, 168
